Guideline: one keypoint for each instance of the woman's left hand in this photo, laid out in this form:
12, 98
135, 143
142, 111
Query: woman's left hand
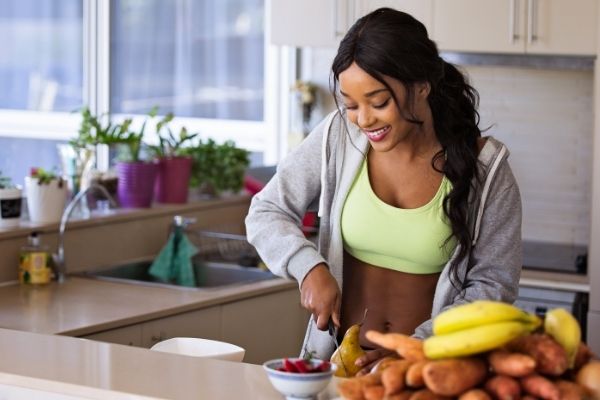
371, 359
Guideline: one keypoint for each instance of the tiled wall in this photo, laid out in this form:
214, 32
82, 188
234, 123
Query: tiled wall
546, 119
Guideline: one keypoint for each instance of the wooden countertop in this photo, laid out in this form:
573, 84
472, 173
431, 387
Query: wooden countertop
82, 306
59, 367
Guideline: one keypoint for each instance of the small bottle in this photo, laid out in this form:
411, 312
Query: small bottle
34, 262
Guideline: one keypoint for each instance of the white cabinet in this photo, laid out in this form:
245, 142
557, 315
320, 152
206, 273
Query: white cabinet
325, 22
205, 323
516, 26
128, 335
267, 327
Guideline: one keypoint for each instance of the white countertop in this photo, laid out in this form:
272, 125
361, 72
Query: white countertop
82, 306
65, 368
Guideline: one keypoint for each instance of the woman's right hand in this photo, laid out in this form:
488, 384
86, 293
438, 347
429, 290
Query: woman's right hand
320, 294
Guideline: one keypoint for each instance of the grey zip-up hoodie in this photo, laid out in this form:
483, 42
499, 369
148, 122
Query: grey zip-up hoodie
318, 175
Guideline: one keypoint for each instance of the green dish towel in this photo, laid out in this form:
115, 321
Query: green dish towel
174, 262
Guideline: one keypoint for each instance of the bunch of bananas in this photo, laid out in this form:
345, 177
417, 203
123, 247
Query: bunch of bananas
477, 327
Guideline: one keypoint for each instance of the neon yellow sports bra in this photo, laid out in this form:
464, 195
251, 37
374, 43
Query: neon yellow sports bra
407, 240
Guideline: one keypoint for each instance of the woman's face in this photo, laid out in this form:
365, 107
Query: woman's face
370, 105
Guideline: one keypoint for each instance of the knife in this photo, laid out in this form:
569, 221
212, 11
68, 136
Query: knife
333, 333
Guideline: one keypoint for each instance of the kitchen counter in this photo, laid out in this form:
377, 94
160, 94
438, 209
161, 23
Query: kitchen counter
81, 306
60, 367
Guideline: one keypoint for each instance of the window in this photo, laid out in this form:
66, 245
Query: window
197, 58
204, 60
41, 62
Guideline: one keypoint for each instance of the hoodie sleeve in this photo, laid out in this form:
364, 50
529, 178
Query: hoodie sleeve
276, 212
496, 258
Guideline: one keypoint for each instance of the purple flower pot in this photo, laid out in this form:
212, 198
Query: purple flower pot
136, 183
173, 179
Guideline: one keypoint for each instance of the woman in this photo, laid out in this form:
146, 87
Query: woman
418, 212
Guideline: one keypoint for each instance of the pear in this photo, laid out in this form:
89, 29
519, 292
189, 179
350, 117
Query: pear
348, 352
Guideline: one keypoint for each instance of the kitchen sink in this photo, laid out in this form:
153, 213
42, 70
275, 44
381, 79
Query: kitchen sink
208, 275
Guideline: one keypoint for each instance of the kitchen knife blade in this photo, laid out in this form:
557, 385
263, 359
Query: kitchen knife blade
333, 333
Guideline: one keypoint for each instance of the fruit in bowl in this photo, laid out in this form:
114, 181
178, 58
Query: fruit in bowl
297, 378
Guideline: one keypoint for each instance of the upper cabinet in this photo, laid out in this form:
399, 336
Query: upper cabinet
325, 22
560, 27
516, 26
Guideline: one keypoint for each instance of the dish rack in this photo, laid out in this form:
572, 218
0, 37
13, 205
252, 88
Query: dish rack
224, 247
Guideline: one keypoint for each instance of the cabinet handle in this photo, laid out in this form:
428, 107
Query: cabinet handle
531, 21
512, 22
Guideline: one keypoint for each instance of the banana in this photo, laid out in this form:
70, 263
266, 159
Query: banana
476, 339
564, 328
479, 312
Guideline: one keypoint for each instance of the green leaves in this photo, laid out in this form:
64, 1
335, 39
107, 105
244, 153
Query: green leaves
221, 166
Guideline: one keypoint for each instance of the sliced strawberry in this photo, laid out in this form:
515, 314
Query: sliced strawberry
324, 366
289, 366
301, 366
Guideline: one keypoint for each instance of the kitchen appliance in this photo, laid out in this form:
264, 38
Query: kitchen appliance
555, 257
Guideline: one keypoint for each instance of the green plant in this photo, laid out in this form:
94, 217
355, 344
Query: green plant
44, 177
220, 166
92, 131
5, 182
131, 142
169, 144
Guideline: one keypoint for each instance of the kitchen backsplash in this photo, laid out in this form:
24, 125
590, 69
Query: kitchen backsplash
546, 119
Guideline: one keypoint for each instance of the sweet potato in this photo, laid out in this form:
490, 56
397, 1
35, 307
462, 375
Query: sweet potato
426, 394
588, 377
384, 363
550, 357
454, 376
570, 390
584, 354
511, 364
474, 394
376, 392
414, 374
406, 346
393, 376
403, 395
538, 386
503, 387
353, 388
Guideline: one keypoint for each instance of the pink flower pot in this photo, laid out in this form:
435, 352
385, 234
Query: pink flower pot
173, 179
135, 187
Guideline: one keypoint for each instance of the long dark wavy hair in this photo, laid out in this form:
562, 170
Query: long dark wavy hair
391, 43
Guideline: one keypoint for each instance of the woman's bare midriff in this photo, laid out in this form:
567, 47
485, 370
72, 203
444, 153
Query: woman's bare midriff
396, 301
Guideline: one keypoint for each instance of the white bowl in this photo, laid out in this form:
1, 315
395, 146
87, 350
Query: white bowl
295, 385
201, 348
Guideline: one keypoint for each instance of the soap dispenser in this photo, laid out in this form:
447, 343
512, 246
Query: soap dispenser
34, 262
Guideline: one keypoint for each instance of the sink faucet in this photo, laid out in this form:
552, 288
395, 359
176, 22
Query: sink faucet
59, 257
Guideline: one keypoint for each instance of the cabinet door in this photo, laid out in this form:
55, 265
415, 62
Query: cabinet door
128, 335
420, 9
308, 22
562, 27
268, 327
484, 26
203, 323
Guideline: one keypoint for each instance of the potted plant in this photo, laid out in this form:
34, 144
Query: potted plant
10, 202
136, 177
46, 195
174, 165
218, 169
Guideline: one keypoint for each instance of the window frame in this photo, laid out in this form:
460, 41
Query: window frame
257, 136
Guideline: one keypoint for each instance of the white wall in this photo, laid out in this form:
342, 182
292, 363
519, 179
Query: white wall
546, 119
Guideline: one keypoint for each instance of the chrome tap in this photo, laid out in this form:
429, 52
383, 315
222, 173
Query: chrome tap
59, 257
